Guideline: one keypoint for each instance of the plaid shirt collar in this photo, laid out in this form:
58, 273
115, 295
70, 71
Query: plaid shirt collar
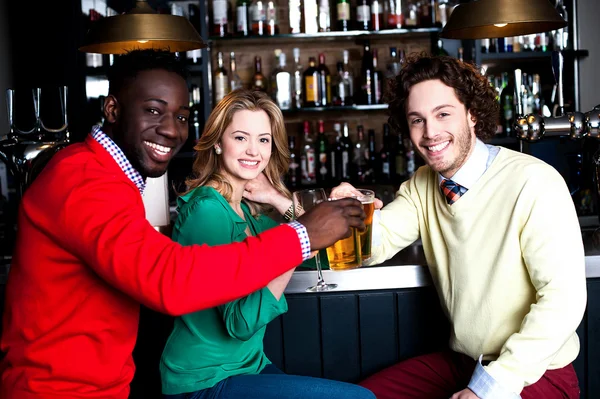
116, 153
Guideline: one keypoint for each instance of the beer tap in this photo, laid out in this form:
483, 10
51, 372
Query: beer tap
26, 152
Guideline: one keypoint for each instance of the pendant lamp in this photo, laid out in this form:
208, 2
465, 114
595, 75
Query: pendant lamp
501, 18
141, 28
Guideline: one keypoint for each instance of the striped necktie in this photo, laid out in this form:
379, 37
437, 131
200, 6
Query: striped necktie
452, 191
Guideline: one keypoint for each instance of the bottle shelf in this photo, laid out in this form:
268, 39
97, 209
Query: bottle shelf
373, 107
529, 55
293, 37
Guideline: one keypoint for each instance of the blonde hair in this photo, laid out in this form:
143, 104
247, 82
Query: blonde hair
207, 164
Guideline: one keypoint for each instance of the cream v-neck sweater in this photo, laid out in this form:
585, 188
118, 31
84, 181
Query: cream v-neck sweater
507, 261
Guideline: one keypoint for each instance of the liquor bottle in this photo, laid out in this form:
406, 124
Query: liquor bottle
196, 121
343, 15
440, 48
426, 17
235, 82
295, 16
507, 108
324, 82
361, 155
412, 16
258, 15
366, 95
95, 60
400, 159
335, 155
281, 83
324, 16
363, 15
339, 87
393, 67
258, 80
411, 163
346, 153
297, 94
386, 161
242, 19
395, 17
376, 15
221, 79
377, 80
293, 178
272, 27
308, 159
311, 85
322, 155
348, 78
194, 56
373, 164
220, 20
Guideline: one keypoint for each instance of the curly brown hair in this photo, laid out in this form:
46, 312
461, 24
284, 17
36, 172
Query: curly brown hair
472, 89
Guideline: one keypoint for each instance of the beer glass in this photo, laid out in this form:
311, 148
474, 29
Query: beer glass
306, 199
348, 253
367, 198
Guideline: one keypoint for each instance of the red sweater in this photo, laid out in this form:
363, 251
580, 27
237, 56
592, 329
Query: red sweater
86, 257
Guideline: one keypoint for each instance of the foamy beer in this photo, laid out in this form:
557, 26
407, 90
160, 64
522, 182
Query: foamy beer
348, 253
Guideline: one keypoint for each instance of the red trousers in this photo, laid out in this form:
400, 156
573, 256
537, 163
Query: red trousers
440, 375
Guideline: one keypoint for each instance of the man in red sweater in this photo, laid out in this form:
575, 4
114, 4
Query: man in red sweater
86, 256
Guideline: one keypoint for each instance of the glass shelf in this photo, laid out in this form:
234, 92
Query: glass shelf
373, 107
323, 35
529, 55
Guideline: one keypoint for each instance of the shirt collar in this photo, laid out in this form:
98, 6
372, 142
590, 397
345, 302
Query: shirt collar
115, 152
473, 169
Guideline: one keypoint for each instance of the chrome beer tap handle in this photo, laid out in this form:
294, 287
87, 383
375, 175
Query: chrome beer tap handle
63, 104
557, 69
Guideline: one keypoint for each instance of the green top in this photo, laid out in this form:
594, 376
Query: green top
209, 346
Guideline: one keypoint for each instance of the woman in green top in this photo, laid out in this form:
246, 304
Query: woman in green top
218, 353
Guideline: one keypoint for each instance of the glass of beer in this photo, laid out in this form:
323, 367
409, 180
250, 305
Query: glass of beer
348, 253
367, 198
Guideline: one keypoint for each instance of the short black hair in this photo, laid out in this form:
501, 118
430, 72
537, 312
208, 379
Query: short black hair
127, 66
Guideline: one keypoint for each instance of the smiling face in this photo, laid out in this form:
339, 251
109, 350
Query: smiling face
441, 129
246, 146
148, 120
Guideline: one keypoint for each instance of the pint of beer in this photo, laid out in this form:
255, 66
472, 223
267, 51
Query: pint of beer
366, 237
348, 253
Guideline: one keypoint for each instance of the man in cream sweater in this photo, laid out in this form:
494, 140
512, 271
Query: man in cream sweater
502, 243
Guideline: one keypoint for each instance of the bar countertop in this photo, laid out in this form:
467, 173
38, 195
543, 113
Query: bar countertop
408, 269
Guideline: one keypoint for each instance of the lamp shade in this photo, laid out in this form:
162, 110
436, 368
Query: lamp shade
141, 28
480, 19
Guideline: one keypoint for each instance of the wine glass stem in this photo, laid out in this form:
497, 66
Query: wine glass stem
320, 280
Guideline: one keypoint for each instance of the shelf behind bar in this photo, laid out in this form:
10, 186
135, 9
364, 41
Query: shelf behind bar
373, 107
322, 35
529, 55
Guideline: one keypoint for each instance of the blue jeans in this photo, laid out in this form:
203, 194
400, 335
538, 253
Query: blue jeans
272, 383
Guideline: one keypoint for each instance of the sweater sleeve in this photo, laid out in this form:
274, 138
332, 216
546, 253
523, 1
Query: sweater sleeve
245, 316
103, 222
399, 225
552, 250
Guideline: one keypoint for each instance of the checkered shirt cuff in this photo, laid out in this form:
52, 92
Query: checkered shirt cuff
486, 387
303, 237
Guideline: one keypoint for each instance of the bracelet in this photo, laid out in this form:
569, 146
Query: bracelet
289, 214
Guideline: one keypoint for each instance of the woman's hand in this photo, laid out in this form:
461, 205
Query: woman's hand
261, 190
347, 190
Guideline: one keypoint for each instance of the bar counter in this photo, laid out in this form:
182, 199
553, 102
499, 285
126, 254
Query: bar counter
408, 269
